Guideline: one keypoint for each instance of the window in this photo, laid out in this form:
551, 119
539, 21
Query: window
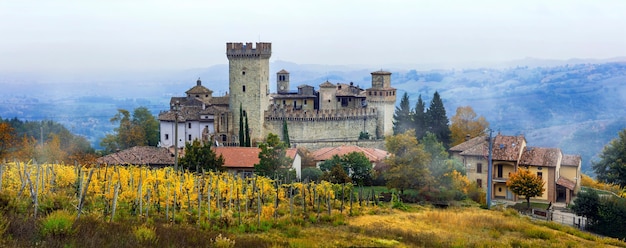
283, 102
540, 175
244, 88
197, 95
243, 73
189, 125
167, 136
190, 137
479, 168
223, 138
499, 171
479, 182
304, 101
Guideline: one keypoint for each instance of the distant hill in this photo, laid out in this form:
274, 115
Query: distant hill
576, 105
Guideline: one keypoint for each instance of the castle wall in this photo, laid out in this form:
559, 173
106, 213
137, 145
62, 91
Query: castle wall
322, 125
318, 144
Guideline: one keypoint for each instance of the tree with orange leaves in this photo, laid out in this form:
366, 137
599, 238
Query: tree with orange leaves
525, 183
7, 138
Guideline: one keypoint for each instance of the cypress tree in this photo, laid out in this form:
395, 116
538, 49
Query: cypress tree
247, 139
438, 122
286, 134
420, 119
242, 141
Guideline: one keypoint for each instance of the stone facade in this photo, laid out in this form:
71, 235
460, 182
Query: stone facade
336, 114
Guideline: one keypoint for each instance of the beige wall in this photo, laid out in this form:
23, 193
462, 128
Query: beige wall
323, 130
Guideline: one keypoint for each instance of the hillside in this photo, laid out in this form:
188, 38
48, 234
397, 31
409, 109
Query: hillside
576, 107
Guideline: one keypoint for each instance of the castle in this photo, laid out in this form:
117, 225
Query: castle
335, 114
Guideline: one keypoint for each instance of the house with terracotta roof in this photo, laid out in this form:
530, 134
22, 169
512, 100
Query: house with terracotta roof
375, 156
140, 155
561, 173
241, 160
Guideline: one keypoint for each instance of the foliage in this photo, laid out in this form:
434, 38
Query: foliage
141, 130
465, 122
437, 120
272, 157
402, 119
441, 165
7, 138
336, 174
363, 135
408, 162
242, 134
525, 183
199, 156
420, 122
587, 181
606, 214
355, 164
247, 132
146, 235
312, 174
222, 242
612, 165
286, 134
58, 223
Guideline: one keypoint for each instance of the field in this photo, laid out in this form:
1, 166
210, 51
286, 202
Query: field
121, 206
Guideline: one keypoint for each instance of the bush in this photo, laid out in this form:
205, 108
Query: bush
220, 241
146, 235
312, 174
58, 224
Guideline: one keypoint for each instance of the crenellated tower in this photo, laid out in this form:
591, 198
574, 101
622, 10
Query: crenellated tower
382, 97
248, 66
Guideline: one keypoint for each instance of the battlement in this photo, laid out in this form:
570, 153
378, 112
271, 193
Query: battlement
249, 49
278, 114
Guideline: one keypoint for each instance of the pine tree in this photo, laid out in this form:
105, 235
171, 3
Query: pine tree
402, 117
419, 119
438, 121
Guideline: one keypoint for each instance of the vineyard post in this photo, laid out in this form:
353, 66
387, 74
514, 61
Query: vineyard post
258, 201
147, 203
303, 199
238, 207
84, 193
276, 202
328, 202
209, 191
316, 200
1, 173
167, 201
291, 200
115, 193
351, 199
343, 186
33, 193
140, 193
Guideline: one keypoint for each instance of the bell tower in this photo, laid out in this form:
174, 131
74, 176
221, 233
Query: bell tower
282, 82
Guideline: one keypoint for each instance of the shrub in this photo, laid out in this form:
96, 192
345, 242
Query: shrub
146, 235
58, 224
221, 241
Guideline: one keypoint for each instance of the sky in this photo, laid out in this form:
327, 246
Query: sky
67, 36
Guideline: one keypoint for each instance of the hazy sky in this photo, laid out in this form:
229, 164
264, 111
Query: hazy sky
154, 34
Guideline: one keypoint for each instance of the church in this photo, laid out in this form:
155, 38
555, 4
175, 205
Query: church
335, 114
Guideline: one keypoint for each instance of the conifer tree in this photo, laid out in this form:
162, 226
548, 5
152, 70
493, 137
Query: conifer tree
419, 119
286, 134
247, 134
242, 141
438, 121
402, 116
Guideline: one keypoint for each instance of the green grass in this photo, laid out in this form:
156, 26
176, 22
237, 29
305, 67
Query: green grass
523, 205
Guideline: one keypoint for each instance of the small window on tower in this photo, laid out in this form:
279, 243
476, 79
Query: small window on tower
244, 88
243, 73
190, 137
167, 136
304, 101
189, 125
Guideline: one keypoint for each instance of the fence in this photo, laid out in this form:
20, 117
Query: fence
564, 218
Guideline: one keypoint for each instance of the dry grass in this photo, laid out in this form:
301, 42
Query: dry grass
457, 227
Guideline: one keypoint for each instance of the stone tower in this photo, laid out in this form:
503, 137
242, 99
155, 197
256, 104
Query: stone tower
282, 82
248, 66
382, 97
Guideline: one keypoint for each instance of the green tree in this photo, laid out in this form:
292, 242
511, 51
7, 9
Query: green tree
587, 204
525, 183
408, 162
402, 120
420, 120
286, 134
272, 158
612, 165
242, 137
441, 165
465, 122
336, 175
150, 125
312, 174
438, 121
247, 129
199, 156
355, 165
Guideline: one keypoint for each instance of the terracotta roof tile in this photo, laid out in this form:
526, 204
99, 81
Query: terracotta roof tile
282, 71
237, 157
140, 155
469, 144
566, 183
540, 156
199, 89
571, 160
507, 148
327, 153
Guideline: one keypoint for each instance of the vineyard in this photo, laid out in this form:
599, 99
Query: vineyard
217, 199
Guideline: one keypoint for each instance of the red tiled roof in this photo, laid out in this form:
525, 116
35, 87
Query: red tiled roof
140, 155
571, 160
238, 156
199, 89
291, 153
507, 148
566, 183
327, 153
541, 156
470, 144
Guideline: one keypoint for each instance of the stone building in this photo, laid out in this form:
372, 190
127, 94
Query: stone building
560, 173
337, 113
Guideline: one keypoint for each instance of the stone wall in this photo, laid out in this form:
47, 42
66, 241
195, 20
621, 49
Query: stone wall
315, 145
